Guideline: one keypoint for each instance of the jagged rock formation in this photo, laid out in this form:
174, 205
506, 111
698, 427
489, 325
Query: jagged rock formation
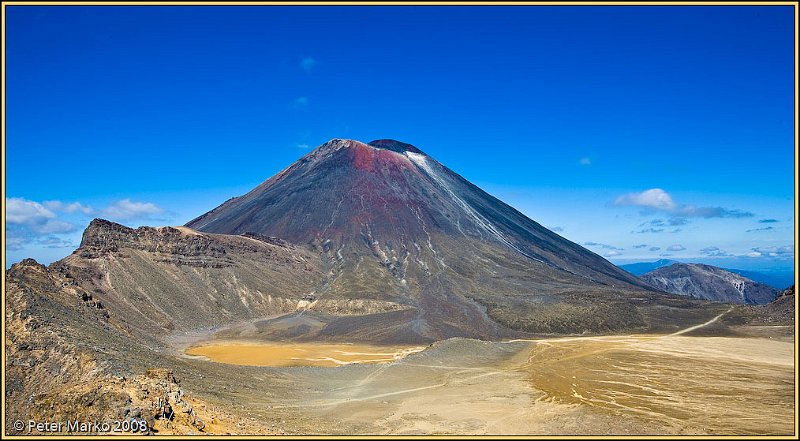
167, 279
57, 364
710, 283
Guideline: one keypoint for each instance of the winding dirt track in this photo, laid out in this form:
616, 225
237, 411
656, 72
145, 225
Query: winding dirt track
701, 325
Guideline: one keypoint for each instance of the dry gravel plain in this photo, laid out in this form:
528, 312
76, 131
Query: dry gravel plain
622, 384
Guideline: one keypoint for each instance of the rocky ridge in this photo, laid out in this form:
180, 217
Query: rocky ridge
709, 283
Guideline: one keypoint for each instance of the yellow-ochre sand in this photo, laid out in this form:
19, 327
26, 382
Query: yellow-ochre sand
298, 354
715, 385
624, 384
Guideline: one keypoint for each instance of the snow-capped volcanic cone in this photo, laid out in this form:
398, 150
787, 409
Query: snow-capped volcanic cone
393, 224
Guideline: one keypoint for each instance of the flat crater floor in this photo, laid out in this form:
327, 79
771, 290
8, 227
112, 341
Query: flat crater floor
713, 385
623, 384
246, 353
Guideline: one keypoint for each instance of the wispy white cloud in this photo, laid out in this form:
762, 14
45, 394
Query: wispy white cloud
35, 217
767, 228
715, 252
72, 207
308, 63
676, 247
42, 217
643, 245
300, 102
585, 161
648, 230
54, 242
127, 209
18, 238
48, 224
655, 248
663, 223
657, 200
15, 243
55, 226
786, 251
29, 221
25, 212
602, 245
613, 253
556, 229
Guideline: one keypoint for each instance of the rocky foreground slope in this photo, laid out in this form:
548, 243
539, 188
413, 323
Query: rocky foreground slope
709, 283
779, 311
66, 360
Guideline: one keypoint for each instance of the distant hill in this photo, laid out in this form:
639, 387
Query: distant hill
709, 283
639, 268
777, 280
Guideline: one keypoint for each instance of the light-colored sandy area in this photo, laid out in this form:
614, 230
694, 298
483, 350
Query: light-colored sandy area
187, 231
607, 385
297, 354
604, 385
713, 385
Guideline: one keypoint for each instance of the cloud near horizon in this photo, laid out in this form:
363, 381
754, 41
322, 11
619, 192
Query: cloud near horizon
603, 246
786, 251
715, 252
35, 217
675, 221
648, 230
657, 200
127, 209
31, 222
767, 228
68, 207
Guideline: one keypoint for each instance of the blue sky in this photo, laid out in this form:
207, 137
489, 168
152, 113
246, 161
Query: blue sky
640, 132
